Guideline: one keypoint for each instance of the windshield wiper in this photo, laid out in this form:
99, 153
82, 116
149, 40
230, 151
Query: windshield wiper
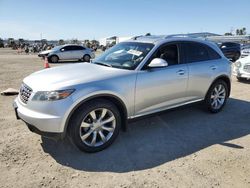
104, 64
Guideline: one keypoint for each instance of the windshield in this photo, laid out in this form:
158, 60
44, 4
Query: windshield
125, 55
56, 48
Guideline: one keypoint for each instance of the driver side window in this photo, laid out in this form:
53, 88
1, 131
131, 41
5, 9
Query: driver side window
169, 53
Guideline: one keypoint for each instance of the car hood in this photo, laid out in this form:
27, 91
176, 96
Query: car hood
67, 76
45, 52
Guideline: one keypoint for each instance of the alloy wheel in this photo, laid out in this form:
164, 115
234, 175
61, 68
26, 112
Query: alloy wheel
218, 96
97, 127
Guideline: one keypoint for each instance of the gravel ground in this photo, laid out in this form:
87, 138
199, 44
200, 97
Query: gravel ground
185, 147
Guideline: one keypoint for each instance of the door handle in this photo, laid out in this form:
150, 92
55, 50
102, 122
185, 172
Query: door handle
213, 67
181, 72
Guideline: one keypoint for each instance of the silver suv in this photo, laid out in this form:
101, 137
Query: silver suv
68, 52
91, 102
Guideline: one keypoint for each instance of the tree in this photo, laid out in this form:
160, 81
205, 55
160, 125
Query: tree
237, 31
44, 41
61, 42
242, 31
228, 34
11, 42
74, 41
1, 43
148, 34
21, 41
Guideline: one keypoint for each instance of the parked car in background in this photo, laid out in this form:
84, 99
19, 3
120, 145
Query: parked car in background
90, 102
68, 52
231, 50
245, 50
241, 68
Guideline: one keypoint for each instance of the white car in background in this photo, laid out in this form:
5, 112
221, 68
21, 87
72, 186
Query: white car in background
245, 51
68, 52
241, 68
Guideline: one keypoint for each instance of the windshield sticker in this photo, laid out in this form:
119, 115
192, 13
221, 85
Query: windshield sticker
134, 52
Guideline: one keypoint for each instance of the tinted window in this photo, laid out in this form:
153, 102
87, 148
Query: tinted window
168, 53
213, 54
67, 48
79, 48
196, 52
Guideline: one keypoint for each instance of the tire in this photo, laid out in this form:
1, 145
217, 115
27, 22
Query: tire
87, 128
86, 58
54, 59
216, 96
240, 79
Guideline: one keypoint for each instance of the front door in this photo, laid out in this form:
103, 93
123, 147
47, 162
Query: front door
160, 88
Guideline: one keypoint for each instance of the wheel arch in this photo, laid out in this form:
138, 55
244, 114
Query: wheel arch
50, 55
226, 79
114, 99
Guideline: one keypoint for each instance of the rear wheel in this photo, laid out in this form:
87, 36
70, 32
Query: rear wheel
86, 58
95, 125
216, 96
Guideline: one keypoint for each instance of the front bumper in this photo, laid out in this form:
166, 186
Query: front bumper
240, 73
39, 122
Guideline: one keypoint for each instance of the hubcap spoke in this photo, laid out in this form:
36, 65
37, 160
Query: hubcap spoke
85, 125
108, 120
109, 129
102, 136
104, 111
93, 115
222, 91
85, 136
93, 141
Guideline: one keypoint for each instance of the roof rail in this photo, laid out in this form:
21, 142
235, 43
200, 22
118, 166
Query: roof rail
136, 37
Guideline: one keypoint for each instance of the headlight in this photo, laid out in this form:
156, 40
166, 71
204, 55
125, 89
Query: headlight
238, 64
52, 95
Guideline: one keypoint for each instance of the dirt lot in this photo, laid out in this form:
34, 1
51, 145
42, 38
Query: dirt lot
185, 147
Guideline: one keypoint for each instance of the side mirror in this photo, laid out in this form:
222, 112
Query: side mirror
223, 47
62, 50
158, 62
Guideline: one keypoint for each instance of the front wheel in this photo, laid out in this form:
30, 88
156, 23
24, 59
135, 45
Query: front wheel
95, 125
53, 59
216, 96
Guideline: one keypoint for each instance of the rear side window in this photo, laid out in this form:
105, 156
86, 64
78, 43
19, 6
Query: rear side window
196, 52
79, 48
68, 48
213, 54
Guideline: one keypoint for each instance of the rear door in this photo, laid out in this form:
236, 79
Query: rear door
202, 62
78, 52
160, 88
65, 53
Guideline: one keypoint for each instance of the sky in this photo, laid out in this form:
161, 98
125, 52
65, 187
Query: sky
95, 19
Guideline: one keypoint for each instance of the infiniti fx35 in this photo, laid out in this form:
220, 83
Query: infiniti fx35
91, 102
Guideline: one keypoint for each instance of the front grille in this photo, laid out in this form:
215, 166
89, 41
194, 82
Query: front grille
247, 68
25, 92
